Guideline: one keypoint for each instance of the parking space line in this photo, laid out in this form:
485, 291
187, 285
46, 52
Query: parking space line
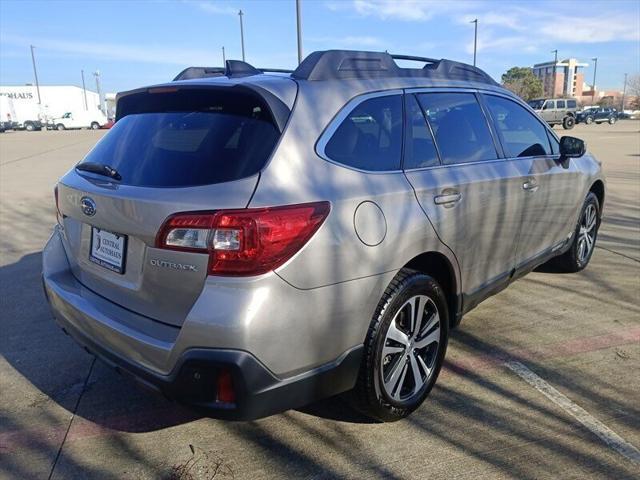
608, 436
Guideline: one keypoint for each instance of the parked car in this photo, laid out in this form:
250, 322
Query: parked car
556, 111
598, 115
92, 119
253, 242
109, 124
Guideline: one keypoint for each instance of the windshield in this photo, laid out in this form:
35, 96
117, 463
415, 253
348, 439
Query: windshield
536, 104
179, 149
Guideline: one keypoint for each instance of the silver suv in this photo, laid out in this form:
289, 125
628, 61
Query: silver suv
557, 111
254, 241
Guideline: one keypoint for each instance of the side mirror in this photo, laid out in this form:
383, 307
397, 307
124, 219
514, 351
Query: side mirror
572, 147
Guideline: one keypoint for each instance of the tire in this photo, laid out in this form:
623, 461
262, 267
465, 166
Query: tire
588, 120
575, 259
612, 120
568, 122
29, 127
391, 330
60, 127
95, 125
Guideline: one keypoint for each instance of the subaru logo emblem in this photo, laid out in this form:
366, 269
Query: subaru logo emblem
88, 206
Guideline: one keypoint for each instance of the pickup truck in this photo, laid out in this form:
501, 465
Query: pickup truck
93, 119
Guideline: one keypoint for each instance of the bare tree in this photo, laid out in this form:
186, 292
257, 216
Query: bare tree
633, 91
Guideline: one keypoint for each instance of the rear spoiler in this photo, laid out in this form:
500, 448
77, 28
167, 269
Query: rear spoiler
143, 99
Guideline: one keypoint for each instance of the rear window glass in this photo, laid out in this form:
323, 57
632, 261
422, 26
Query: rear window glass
215, 141
370, 138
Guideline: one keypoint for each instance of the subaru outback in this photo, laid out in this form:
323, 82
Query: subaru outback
253, 241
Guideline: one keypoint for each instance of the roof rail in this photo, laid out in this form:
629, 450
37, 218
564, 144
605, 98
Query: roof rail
351, 64
233, 68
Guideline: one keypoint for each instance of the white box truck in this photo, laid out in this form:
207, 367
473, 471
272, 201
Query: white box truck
7, 114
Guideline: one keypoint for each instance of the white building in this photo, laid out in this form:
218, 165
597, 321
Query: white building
56, 100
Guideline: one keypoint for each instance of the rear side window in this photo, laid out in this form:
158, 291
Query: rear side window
521, 134
571, 104
207, 138
560, 104
420, 149
370, 138
459, 126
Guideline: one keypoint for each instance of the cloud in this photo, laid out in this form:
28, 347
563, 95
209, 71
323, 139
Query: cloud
113, 51
404, 10
542, 23
214, 8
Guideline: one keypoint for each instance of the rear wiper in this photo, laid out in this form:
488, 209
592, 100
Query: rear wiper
100, 169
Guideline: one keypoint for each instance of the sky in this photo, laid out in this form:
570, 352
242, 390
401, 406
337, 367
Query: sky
135, 43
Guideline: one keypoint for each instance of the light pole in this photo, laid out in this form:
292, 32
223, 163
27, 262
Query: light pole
97, 75
240, 14
224, 58
593, 87
84, 91
475, 40
555, 62
299, 25
35, 73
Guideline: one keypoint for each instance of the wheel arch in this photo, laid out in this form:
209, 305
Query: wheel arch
598, 190
438, 266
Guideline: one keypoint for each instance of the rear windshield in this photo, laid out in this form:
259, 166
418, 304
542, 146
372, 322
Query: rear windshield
216, 138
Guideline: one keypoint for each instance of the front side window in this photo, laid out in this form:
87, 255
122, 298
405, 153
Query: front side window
459, 126
550, 105
521, 134
370, 138
420, 150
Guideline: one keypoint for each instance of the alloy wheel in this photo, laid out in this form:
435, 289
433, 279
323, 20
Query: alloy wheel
587, 233
410, 348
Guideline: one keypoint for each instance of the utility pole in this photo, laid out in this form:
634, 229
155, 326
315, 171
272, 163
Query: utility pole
240, 14
84, 90
555, 63
224, 58
624, 92
299, 24
35, 74
97, 75
593, 87
475, 40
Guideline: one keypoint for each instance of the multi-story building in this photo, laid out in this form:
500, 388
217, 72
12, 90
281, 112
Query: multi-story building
561, 79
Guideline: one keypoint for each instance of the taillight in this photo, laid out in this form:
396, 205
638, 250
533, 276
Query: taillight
244, 242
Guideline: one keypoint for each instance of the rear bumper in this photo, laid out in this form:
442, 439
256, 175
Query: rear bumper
183, 363
258, 392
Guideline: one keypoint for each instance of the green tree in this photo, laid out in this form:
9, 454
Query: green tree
522, 82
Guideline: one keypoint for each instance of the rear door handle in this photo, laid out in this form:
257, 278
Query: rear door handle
448, 199
530, 185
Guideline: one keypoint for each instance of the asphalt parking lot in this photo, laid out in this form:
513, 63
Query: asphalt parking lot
537, 380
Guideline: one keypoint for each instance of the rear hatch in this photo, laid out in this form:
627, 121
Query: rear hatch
172, 150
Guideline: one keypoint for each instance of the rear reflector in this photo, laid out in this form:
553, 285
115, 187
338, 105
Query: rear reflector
244, 242
224, 388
